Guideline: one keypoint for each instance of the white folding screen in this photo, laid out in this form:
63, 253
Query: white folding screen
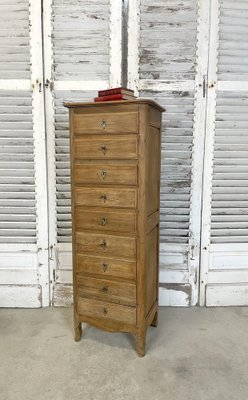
167, 61
82, 45
224, 266
23, 198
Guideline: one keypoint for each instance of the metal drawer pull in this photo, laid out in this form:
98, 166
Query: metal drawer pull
104, 289
103, 174
103, 221
103, 244
103, 197
103, 124
104, 267
104, 148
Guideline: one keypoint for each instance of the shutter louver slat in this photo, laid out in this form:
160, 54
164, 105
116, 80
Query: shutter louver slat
17, 181
229, 208
63, 188
14, 40
168, 51
233, 47
176, 164
80, 40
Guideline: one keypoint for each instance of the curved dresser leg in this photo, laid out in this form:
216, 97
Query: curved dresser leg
155, 320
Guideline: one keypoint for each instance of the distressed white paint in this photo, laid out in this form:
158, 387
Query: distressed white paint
164, 64
173, 298
198, 148
227, 295
225, 224
25, 296
23, 259
81, 85
133, 45
231, 86
115, 43
15, 84
209, 146
160, 85
39, 147
82, 47
50, 139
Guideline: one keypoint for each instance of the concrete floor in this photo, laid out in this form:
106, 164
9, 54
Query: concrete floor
193, 354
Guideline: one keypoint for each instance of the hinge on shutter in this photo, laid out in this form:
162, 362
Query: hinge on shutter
51, 253
49, 84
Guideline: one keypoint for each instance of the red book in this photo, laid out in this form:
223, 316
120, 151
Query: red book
113, 97
117, 90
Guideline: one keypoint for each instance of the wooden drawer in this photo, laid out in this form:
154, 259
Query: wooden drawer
108, 311
106, 147
105, 174
105, 197
105, 220
110, 267
107, 290
117, 122
120, 246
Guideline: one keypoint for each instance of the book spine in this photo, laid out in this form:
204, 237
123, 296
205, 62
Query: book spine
109, 97
109, 92
119, 90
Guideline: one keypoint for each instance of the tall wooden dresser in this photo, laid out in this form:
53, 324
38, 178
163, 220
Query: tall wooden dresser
115, 173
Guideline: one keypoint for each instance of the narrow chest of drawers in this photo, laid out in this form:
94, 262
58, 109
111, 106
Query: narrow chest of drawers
115, 174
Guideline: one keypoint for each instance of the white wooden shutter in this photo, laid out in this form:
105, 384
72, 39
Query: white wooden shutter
23, 238
224, 279
82, 46
166, 41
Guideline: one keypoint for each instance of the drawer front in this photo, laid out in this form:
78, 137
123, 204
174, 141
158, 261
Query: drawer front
105, 220
117, 122
109, 245
109, 267
107, 311
105, 174
106, 147
107, 290
105, 197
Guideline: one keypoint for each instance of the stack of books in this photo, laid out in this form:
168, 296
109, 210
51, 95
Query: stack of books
119, 93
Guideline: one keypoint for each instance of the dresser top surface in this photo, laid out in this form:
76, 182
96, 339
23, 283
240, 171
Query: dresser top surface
121, 102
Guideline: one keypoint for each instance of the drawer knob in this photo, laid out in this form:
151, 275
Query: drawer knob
104, 148
103, 221
105, 311
103, 174
105, 289
103, 197
104, 124
103, 244
104, 267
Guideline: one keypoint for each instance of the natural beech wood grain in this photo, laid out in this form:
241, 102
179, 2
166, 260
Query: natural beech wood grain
152, 221
105, 220
112, 106
107, 290
108, 311
105, 197
115, 167
118, 122
105, 244
105, 174
151, 269
106, 147
108, 267
152, 169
